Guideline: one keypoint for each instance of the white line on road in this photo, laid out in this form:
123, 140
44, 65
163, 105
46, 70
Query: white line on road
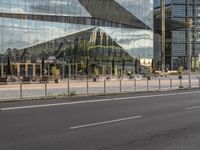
105, 122
55, 104
191, 108
96, 101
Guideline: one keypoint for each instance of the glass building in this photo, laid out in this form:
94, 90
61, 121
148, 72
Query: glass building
111, 35
177, 41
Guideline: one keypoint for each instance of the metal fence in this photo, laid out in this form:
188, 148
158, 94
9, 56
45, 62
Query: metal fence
88, 87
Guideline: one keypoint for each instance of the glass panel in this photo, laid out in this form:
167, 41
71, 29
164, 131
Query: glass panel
113, 49
53, 7
142, 9
25, 33
138, 43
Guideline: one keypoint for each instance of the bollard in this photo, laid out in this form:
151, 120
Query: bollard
170, 84
68, 87
21, 90
159, 84
180, 79
87, 87
45, 89
181, 84
104, 86
147, 85
120, 85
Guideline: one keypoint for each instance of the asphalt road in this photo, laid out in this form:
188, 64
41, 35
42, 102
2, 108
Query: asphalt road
156, 121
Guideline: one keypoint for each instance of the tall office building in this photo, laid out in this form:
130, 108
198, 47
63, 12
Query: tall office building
89, 32
177, 40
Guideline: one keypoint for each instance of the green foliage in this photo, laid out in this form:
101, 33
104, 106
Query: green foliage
180, 70
96, 71
55, 72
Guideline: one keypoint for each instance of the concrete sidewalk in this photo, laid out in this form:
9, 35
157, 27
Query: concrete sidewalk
82, 87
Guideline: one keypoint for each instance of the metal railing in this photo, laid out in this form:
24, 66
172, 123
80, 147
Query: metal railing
89, 87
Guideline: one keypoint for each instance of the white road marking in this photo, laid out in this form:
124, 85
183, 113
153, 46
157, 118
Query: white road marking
191, 108
55, 104
96, 101
104, 122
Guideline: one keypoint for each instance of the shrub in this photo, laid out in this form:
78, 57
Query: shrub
180, 70
55, 72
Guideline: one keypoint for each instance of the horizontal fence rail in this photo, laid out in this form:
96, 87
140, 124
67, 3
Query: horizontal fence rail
21, 90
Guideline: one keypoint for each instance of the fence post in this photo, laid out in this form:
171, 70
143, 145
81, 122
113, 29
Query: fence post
45, 89
147, 84
170, 84
21, 90
87, 87
104, 86
120, 85
159, 84
135, 85
68, 88
199, 82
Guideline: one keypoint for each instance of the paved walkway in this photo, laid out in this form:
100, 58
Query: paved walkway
77, 87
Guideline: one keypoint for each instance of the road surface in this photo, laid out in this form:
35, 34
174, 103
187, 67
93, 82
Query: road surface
157, 121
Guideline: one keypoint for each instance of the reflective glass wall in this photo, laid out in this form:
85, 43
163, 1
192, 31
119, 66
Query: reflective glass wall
181, 11
49, 27
177, 40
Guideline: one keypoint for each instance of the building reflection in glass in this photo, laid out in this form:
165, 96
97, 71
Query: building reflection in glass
69, 32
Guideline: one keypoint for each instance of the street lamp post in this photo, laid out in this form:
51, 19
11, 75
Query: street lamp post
163, 30
189, 26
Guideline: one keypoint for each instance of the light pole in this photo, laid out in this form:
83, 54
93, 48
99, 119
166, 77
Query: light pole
189, 26
162, 12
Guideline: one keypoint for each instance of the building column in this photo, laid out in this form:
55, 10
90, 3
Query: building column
1, 70
33, 70
104, 70
40, 70
26, 70
76, 70
121, 71
69, 71
110, 69
63, 71
115, 71
18, 70
49, 69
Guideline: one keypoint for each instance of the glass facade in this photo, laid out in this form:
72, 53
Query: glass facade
73, 30
177, 41
157, 3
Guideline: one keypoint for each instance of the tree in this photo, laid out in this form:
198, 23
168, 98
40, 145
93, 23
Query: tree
56, 73
8, 69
